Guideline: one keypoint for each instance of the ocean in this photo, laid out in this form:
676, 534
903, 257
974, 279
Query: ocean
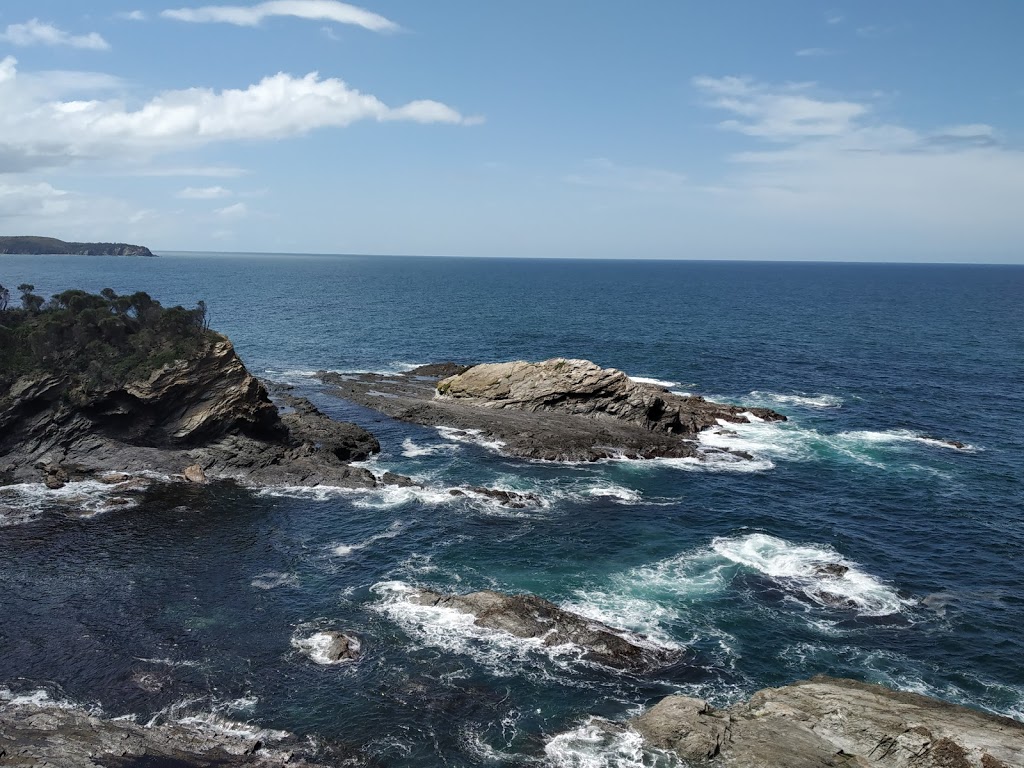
200, 602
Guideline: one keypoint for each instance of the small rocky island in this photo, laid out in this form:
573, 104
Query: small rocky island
558, 410
97, 386
50, 246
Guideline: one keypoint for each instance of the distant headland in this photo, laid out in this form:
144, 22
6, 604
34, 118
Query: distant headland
51, 245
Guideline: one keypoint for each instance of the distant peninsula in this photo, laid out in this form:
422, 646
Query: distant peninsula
51, 245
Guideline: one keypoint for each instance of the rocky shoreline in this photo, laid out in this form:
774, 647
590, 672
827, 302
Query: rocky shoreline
557, 410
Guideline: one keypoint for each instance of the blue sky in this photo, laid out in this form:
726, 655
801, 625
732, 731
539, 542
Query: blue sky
581, 128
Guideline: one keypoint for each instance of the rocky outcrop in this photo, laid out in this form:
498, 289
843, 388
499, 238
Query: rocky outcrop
558, 410
581, 388
529, 616
205, 413
32, 736
833, 722
30, 245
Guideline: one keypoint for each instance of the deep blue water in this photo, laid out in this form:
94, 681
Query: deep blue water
208, 591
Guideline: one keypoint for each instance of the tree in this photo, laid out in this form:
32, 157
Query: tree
29, 300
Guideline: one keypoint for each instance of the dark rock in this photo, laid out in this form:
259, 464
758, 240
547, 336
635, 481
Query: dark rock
205, 411
390, 478
833, 722
439, 370
33, 736
343, 647
529, 616
512, 499
831, 570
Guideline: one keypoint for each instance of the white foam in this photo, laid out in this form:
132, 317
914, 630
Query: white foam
24, 502
40, 698
616, 492
471, 436
655, 382
413, 451
344, 550
317, 645
798, 566
888, 437
592, 746
273, 579
800, 400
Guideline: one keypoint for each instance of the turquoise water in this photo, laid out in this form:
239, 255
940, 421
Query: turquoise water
211, 592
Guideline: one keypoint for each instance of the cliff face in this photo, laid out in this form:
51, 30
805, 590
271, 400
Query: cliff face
206, 409
581, 388
51, 245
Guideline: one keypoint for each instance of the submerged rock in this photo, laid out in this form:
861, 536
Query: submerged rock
833, 722
512, 499
529, 616
558, 410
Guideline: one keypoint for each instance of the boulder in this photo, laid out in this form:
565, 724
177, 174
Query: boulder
194, 474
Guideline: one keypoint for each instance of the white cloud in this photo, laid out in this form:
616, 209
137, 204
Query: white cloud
779, 113
36, 32
132, 15
51, 132
834, 18
815, 52
204, 193
315, 10
236, 211
831, 165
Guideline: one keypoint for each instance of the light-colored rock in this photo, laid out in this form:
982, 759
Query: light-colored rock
582, 388
834, 722
194, 474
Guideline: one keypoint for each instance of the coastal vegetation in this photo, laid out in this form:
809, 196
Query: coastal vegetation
100, 339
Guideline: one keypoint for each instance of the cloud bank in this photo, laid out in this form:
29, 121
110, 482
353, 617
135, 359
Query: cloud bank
35, 132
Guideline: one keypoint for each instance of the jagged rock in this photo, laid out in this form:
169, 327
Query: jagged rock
205, 410
390, 478
439, 370
833, 722
33, 736
558, 410
512, 499
194, 474
529, 616
342, 647
581, 388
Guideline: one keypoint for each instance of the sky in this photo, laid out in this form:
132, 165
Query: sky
866, 131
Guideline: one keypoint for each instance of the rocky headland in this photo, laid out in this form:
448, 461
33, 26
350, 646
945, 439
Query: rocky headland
93, 385
31, 245
558, 410
832, 722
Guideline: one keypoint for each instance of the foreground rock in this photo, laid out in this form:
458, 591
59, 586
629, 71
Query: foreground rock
33, 736
528, 617
203, 416
833, 722
561, 410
